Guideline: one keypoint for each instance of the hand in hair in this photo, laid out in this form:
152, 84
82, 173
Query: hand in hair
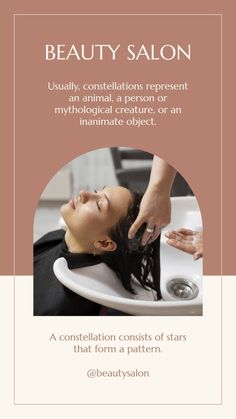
155, 208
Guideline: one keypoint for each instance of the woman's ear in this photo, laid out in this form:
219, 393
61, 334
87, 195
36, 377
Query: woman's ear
107, 245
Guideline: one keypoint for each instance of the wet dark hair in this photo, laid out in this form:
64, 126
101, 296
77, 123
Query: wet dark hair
131, 261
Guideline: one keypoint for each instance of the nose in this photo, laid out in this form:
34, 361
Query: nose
85, 196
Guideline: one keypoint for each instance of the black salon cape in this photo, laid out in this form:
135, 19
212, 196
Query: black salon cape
51, 298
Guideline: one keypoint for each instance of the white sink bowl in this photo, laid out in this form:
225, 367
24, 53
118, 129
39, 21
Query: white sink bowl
100, 284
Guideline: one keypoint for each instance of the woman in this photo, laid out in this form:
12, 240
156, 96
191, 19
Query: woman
97, 231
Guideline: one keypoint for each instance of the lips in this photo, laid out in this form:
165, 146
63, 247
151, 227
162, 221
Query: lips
72, 203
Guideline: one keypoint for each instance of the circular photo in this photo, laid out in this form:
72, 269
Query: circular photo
118, 232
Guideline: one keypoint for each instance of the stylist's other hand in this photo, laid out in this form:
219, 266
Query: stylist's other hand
186, 240
155, 211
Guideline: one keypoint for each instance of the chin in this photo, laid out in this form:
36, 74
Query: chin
64, 210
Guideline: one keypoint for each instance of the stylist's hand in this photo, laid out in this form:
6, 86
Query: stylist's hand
155, 210
186, 240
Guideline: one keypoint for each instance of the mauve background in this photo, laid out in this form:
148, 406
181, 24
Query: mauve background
45, 143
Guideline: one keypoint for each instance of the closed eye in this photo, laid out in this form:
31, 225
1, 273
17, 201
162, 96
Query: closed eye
106, 197
97, 202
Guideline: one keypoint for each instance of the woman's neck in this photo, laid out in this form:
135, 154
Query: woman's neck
74, 246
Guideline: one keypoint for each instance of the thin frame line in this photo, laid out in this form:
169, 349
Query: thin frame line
118, 14
221, 189
14, 204
117, 404
14, 221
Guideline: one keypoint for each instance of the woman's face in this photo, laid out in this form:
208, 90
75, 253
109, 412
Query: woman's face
90, 215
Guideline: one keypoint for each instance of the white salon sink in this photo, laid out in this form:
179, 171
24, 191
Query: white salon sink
181, 276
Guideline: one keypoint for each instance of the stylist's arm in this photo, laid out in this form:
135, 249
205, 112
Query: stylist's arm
155, 207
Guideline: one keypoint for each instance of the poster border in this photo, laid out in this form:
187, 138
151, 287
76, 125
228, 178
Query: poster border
14, 203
